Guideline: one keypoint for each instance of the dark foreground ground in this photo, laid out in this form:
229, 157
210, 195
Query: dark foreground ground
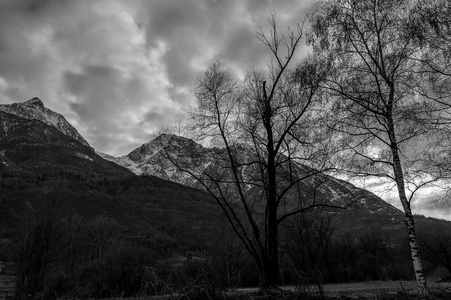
370, 290
380, 290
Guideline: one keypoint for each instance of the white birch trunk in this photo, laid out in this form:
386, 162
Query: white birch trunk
409, 220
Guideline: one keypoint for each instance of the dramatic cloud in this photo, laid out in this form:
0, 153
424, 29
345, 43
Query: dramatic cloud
118, 70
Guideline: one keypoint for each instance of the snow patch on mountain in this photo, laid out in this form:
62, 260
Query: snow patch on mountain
84, 156
122, 161
34, 109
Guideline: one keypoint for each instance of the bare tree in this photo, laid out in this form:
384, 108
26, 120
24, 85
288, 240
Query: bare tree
382, 118
178, 124
263, 129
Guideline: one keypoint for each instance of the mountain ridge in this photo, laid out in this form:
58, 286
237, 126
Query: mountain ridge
34, 109
148, 159
31, 145
151, 159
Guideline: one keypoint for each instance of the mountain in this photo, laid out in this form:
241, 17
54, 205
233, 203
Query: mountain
46, 167
152, 159
34, 138
34, 109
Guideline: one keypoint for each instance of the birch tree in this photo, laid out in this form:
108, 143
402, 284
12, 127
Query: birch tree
382, 118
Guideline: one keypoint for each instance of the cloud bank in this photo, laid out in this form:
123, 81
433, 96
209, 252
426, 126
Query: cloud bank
118, 70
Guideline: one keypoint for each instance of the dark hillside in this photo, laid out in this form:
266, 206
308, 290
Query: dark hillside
148, 209
32, 145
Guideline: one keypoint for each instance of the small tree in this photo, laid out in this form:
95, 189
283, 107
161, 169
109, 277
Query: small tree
384, 122
264, 127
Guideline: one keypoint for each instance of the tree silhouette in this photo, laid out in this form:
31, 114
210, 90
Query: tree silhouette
264, 129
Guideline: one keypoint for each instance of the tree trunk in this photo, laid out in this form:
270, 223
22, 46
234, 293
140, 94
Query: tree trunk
271, 256
409, 220
270, 274
271, 260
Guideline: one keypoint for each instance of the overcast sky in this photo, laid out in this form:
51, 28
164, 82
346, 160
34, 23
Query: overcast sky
117, 70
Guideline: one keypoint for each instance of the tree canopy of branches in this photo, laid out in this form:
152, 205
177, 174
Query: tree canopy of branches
386, 115
263, 126
432, 32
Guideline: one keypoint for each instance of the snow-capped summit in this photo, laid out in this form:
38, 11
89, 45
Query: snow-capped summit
157, 146
34, 109
151, 157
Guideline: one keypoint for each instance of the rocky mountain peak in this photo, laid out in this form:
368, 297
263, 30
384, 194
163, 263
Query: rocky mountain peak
34, 109
160, 142
34, 101
168, 138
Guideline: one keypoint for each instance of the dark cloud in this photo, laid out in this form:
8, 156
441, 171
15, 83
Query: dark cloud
91, 77
119, 69
154, 117
79, 108
171, 17
157, 118
74, 83
259, 7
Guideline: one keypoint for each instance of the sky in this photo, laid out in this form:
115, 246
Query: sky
119, 70
431, 201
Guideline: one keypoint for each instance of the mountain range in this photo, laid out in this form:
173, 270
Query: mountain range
37, 139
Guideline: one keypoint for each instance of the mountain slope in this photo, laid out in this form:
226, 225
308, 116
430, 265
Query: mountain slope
151, 159
34, 109
32, 145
